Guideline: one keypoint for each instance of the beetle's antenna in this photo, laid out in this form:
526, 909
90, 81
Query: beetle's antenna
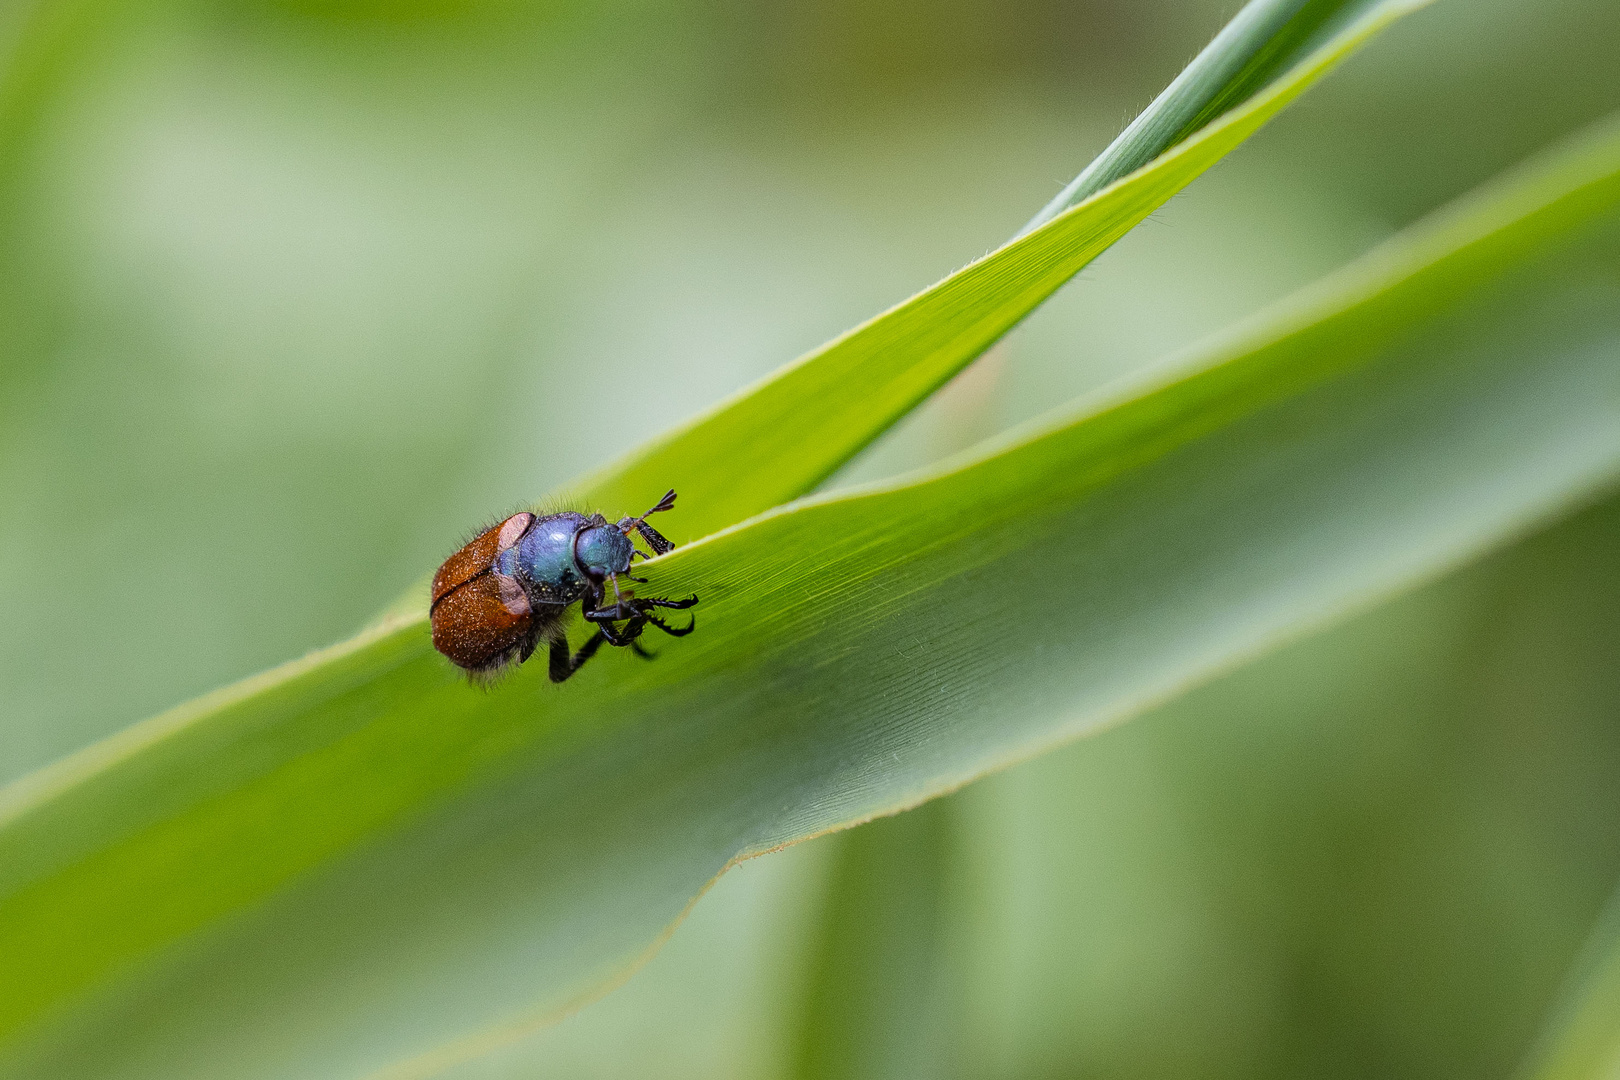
666, 503
655, 540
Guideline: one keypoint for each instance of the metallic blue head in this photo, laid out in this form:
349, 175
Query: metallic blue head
601, 549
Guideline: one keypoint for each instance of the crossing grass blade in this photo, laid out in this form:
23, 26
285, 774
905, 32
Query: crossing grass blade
783, 436
1263, 38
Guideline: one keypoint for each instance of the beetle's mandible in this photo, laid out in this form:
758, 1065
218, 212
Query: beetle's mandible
509, 588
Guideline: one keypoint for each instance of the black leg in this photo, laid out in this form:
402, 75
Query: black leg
617, 613
621, 638
594, 609
529, 643
635, 612
639, 622
633, 629
634, 607
563, 664
654, 538
591, 600
670, 630
658, 601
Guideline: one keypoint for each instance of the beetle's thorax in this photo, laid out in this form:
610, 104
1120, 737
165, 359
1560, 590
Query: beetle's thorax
543, 560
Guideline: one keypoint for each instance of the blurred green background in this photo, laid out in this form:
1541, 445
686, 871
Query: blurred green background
293, 293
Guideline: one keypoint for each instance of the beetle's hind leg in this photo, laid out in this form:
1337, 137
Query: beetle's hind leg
564, 663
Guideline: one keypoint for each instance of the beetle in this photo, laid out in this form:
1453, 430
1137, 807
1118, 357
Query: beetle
509, 588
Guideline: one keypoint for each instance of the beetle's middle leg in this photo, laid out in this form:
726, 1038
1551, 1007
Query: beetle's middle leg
671, 630
634, 628
622, 637
645, 602
642, 608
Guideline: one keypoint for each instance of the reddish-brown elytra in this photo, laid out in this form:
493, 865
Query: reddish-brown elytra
480, 617
510, 587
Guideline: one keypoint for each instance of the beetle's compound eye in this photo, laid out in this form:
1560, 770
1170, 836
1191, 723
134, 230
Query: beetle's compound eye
601, 550
479, 554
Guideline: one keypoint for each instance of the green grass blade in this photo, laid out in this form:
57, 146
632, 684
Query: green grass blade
1249, 50
783, 436
371, 869
874, 1005
1582, 1041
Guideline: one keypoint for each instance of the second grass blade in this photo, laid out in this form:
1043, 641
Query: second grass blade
780, 438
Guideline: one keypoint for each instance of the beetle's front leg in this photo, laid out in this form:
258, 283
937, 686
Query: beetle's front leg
622, 609
640, 609
591, 606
